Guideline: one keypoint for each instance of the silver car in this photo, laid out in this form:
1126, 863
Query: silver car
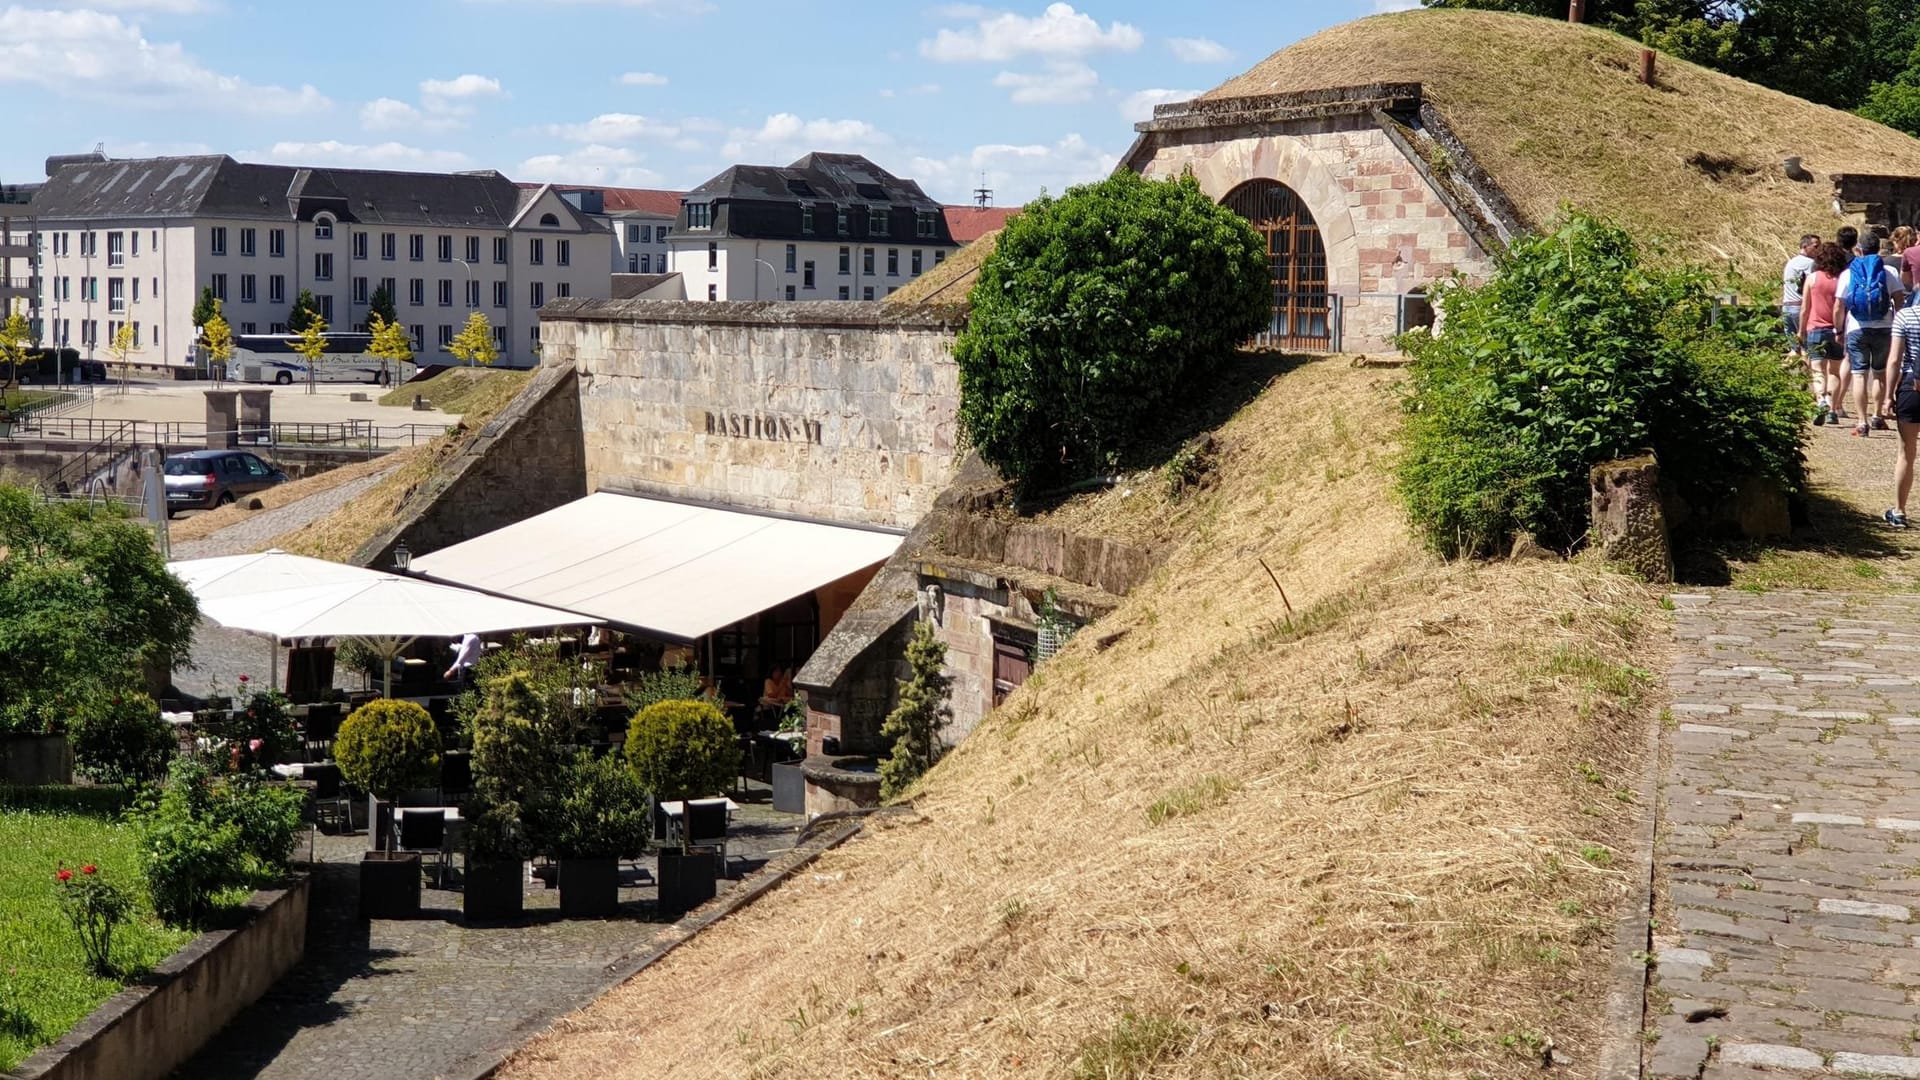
204, 479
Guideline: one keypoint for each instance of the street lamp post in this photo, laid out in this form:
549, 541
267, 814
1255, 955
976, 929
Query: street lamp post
756, 276
472, 300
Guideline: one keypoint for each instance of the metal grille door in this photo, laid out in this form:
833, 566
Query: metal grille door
1298, 261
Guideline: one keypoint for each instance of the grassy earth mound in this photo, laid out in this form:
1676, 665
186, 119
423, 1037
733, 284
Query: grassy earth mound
1373, 825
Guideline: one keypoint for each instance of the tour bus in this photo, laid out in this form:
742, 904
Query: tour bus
270, 358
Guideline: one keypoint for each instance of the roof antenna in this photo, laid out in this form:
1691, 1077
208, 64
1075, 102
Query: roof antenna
983, 195
100, 150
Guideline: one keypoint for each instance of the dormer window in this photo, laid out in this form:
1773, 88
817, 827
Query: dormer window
699, 215
323, 227
551, 221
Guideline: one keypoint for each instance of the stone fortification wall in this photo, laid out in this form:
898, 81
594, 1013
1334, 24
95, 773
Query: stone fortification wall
842, 411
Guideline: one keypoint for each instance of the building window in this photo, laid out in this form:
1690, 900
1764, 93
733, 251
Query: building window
550, 221
359, 290
537, 293
323, 228
633, 233
391, 288
277, 242
136, 285
646, 263
866, 293
323, 266
326, 307
840, 220
893, 262
473, 249
563, 252
473, 294
925, 223
277, 289
500, 249
116, 294
866, 260
416, 248
793, 254
499, 294
917, 265
646, 233
418, 333
386, 246
533, 335
563, 289
417, 292
360, 246
446, 292
500, 338
879, 221
806, 218
713, 256
660, 234
219, 287
699, 215
90, 245
248, 244
713, 292
806, 275
633, 264
845, 293
789, 292
536, 250
247, 295
939, 257
216, 240
445, 246
846, 261
247, 327
446, 335
116, 249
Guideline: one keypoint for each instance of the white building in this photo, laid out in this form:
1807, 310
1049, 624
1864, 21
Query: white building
639, 218
827, 227
136, 241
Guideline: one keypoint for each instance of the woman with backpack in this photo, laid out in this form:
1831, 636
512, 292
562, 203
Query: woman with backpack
1817, 336
1866, 296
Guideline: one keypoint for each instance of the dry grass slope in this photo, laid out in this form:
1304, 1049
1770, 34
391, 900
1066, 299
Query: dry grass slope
201, 526
463, 390
949, 282
1373, 836
1556, 113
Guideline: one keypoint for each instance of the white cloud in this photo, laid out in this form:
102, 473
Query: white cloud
444, 105
94, 55
386, 155
1016, 173
158, 7
659, 7
617, 166
1060, 31
1060, 84
612, 128
785, 137
460, 88
387, 114
921, 90
1139, 105
643, 78
1199, 50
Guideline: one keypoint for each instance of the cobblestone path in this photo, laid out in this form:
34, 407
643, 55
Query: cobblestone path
254, 533
433, 997
1788, 860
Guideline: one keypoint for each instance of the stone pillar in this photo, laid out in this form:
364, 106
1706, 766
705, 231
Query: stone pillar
223, 418
1628, 525
256, 416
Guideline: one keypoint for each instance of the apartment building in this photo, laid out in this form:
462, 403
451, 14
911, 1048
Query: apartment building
18, 243
134, 242
827, 227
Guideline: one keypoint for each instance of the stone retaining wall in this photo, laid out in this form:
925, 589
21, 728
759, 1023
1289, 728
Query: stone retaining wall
144, 1032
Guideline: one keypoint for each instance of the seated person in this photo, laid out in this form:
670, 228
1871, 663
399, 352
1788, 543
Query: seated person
778, 688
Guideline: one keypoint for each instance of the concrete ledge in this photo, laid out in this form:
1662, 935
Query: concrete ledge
850, 314
146, 1031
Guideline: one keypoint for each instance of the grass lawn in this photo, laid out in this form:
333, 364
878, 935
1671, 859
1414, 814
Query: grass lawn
45, 984
24, 399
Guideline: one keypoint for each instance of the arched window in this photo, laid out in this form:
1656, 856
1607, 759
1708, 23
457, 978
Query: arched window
323, 227
549, 219
1298, 261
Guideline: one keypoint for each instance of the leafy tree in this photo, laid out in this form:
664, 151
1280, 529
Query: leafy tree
1094, 311
305, 310
16, 337
915, 723
216, 337
85, 600
390, 341
380, 306
312, 345
1896, 105
474, 343
205, 308
122, 348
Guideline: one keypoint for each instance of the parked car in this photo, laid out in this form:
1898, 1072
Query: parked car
42, 366
203, 479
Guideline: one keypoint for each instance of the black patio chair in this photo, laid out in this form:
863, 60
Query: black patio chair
322, 727
328, 795
706, 824
425, 831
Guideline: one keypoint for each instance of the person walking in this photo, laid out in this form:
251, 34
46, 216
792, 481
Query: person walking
1866, 297
465, 654
1793, 282
1817, 336
1906, 240
1903, 362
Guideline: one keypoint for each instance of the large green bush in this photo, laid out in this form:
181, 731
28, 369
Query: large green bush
683, 749
1094, 312
388, 746
203, 836
1576, 352
603, 810
516, 763
119, 738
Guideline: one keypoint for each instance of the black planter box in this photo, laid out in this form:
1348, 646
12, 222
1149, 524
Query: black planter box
589, 887
789, 788
687, 878
390, 885
494, 890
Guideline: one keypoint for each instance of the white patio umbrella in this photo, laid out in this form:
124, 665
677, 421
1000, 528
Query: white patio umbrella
259, 573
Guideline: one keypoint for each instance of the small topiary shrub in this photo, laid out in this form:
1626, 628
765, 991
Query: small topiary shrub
1094, 312
1573, 353
602, 810
682, 749
119, 738
387, 746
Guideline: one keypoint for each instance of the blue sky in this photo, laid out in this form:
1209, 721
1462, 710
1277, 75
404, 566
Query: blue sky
638, 93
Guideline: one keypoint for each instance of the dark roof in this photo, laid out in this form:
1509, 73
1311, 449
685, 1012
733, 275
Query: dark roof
765, 202
628, 286
218, 186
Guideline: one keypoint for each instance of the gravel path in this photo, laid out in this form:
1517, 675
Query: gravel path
257, 532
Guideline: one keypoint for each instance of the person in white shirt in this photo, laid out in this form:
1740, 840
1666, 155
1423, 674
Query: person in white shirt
1868, 335
1793, 280
465, 655
1903, 363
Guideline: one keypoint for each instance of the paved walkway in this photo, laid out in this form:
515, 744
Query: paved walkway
258, 530
428, 998
1788, 865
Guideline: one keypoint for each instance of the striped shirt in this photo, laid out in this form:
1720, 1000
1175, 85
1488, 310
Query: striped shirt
1906, 327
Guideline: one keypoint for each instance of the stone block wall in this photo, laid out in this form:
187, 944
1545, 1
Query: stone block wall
841, 411
1386, 230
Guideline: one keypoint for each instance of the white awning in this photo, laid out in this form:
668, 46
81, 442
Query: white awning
384, 606
678, 570
266, 571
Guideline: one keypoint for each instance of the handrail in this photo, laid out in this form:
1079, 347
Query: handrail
87, 467
349, 434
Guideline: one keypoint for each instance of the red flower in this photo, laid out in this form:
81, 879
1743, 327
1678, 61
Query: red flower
64, 874
243, 678
89, 869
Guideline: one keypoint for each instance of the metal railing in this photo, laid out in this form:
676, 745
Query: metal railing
83, 473
345, 434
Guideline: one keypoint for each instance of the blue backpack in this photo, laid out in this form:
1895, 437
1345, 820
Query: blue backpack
1867, 295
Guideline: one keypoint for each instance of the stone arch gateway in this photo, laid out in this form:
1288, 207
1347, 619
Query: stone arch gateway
1297, 260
